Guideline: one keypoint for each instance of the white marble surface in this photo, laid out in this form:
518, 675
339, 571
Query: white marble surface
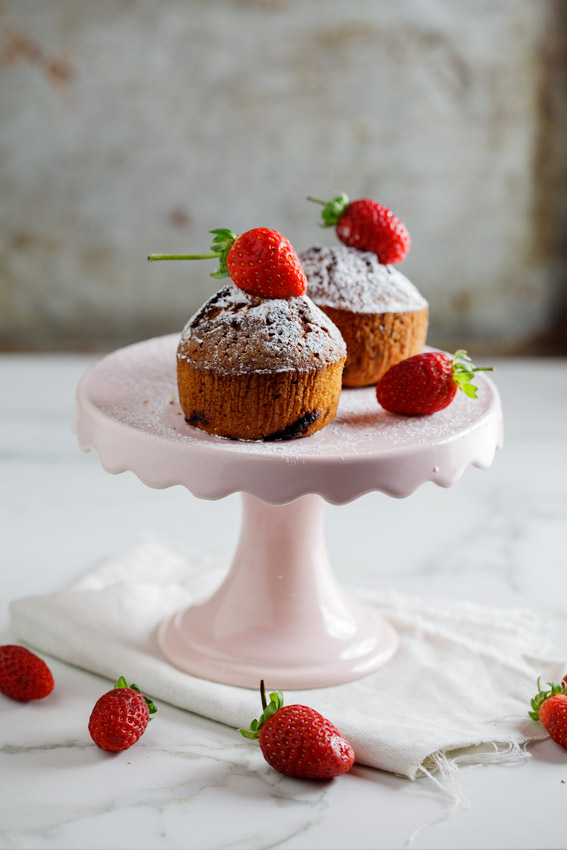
496, 537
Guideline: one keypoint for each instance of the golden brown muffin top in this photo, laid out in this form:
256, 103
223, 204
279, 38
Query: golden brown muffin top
234, 332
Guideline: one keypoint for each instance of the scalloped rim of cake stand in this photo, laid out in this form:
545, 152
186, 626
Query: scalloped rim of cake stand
127, 409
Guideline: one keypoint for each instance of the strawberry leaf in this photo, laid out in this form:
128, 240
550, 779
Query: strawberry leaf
463, 372
332, 210
276, 702
152, 708
537, 701
246, 734
223, 241
469, 390
122, 683
461, 354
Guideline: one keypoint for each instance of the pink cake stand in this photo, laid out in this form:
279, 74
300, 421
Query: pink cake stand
280, 614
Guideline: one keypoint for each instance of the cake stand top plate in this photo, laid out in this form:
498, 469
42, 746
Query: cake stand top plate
128, 411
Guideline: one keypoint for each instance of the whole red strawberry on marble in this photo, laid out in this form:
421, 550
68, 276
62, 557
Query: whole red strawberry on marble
298, 741
368, 226
23, 675
120, 717
426, 383
261, 262
550, 708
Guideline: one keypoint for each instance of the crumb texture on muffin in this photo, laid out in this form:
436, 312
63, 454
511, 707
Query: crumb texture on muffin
251, 368
376, 341
347, 279
235, 332
381, 315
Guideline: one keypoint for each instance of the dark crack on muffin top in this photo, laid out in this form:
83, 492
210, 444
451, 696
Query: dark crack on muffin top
234, 332
348, 279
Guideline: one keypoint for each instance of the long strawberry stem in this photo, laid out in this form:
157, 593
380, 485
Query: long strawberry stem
269, 709
263, 694
222, 243
153, 257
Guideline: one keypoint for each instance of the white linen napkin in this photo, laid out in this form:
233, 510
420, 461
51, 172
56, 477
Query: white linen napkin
457, 691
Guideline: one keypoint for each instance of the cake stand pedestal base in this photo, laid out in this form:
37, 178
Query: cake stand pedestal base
280, 614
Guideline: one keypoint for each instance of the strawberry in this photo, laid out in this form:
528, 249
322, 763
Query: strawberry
426, 383
261, 261
120, 717
298, 741
368, 226
23, 676
550, 708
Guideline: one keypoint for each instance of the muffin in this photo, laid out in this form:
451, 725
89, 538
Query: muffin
252, 368
381, 315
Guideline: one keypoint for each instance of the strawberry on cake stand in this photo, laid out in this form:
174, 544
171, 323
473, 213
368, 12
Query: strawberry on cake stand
280, 614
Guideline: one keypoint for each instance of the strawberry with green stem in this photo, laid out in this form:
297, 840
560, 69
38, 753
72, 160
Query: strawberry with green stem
261, 262
298, 741
120, 717
426, 383
550, 708
366, 225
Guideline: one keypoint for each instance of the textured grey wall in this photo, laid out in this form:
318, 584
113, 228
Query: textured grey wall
129, 127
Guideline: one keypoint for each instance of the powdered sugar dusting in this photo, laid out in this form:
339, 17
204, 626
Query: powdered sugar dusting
235, 332
137, 386
347, 279
127, 409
